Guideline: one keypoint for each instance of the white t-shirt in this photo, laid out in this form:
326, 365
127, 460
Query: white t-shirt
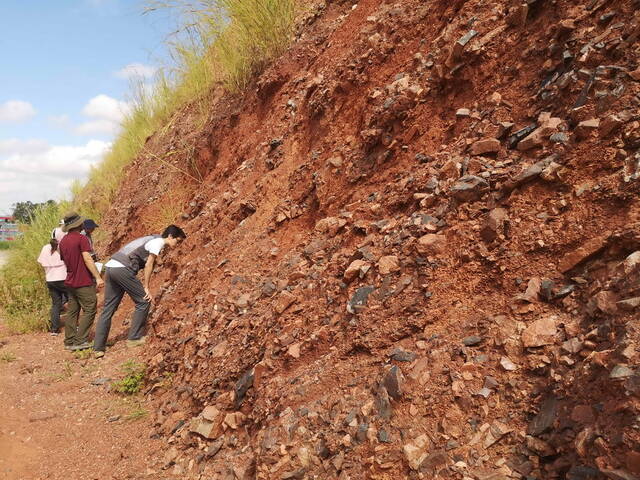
152, 246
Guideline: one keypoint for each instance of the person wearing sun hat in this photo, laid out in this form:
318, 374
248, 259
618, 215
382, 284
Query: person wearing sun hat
82, 281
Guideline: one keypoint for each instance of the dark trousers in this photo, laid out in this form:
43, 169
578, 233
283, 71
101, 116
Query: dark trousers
77, 326
118, 281
58, 293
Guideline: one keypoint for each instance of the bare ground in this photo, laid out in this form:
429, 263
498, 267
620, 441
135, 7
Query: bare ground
59, 419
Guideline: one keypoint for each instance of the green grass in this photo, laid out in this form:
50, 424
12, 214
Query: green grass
223, 42
23, 293
4, 245
7, 357
133, 379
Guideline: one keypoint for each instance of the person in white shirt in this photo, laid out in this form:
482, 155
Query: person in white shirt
55, 273
121, 277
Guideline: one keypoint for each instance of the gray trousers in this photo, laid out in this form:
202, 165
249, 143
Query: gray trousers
118, 281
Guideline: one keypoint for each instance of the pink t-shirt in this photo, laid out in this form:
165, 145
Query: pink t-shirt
54, 268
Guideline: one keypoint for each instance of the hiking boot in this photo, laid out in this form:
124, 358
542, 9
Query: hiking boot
54, 334
82, 346
136, 343
68, 347
98, 354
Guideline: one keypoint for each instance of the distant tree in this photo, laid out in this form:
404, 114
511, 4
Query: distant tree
24, 211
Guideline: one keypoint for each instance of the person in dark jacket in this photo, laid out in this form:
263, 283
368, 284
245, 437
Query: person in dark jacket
120, 278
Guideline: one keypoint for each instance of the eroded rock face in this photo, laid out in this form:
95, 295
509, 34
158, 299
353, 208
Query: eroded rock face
427, 276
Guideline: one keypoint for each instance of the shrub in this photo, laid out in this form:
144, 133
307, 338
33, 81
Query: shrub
133, 379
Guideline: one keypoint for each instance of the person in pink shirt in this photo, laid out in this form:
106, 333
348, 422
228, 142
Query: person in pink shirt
55, 274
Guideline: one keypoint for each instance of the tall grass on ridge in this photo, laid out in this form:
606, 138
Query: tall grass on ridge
218, 43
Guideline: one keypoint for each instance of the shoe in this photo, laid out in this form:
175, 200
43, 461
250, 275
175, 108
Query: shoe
82, 346
54, 334
98, 354
137, 342
68, 347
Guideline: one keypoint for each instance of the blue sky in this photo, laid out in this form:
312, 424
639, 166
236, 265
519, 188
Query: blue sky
65, 72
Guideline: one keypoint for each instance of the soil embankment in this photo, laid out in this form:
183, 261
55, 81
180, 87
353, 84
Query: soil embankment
414, 253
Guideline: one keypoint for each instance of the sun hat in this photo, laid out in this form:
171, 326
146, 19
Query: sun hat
72, 220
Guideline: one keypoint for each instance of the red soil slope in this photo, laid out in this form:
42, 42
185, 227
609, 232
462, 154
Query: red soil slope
382, 157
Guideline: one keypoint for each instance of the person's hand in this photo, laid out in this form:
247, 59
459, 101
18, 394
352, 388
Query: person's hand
99, 283
148, 297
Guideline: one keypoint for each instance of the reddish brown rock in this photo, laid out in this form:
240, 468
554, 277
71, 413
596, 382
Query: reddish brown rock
357, 268
494, 225
541, 332
605, 301
586, 128
431, 244
583, 252
486, 145
388, 264
284, 301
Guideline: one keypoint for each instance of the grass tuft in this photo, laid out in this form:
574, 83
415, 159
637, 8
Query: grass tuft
133, 379
7, 357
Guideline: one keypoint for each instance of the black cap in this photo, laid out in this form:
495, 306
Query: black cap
89, 224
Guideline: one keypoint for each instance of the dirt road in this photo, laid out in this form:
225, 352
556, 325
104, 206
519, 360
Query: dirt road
58, 419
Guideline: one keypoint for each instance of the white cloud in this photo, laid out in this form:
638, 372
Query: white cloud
34, 170
59, 121
106, 116
13, 146
97, 127
16, 111
136, 71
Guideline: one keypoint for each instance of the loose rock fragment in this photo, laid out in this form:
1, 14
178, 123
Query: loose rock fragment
541, 332
484, 146
469, 188
359, 299
393, 382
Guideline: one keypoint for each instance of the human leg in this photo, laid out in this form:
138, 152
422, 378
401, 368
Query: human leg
135, 290
55, 291
113, 294
88, 302
71, 323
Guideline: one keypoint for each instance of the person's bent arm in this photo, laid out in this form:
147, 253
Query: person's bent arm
88, 261
148, 269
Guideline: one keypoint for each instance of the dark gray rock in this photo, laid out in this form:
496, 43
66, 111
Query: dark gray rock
214, 448
242, 385
469, 188
393, 382
472, 340
559, 137
513, 140
361, 434
543, 421
620, 372
359, 299
583, 472
400, 355
383, 436
100, 381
